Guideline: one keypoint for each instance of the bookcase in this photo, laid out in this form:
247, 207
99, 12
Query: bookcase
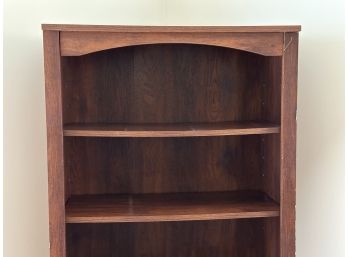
171, 141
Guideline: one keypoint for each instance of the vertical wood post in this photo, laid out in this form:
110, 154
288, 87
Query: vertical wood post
288, 146
54, 143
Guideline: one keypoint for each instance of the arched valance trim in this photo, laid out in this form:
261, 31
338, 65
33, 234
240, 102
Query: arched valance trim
81, 43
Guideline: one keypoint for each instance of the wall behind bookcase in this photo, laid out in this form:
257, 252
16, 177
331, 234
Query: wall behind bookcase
320, 169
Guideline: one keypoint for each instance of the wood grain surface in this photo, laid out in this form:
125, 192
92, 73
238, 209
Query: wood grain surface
165, 84
184, 29
169, 207
170, 130
160, 165
288, 147
81, 43
242, 237
55, 157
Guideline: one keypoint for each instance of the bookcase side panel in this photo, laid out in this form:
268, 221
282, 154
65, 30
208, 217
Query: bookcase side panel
288, 146
54, 143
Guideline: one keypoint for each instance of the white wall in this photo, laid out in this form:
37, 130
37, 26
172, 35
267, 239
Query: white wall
320, 165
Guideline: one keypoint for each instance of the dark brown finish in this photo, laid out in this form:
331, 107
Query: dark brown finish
80, 43
270, 151
169, 207
159, 29
237, 238
145, 125
161, 165
54, 144
167, 84
170, 130
288, 146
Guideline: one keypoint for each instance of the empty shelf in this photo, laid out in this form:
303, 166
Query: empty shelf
169, 207
170, 130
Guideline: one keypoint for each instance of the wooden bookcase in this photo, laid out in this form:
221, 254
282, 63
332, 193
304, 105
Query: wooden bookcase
171, 141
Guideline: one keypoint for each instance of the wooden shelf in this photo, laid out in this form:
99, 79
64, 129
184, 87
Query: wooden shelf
170, 130
169, 207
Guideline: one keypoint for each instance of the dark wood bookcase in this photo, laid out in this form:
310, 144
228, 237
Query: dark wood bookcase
171, 141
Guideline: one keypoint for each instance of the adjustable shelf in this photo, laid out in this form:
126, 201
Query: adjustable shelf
169, 207
171, 141
170, 130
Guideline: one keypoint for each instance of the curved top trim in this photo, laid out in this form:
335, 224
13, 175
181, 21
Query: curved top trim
154, 29
80, 43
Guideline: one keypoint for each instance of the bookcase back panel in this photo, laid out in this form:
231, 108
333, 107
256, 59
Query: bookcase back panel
156, 165
245, 237
169, 83
270, 165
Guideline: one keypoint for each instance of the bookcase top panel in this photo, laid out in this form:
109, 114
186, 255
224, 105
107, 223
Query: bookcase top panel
159, 29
